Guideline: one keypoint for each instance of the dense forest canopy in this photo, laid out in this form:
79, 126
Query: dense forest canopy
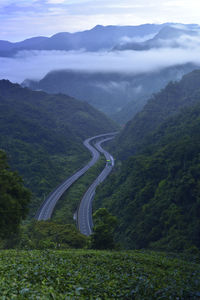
155, 193
14, 199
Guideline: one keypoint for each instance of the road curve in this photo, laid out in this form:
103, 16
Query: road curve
46, 209
84, 216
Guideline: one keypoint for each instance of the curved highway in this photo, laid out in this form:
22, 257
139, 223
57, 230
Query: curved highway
85, 223
47, 207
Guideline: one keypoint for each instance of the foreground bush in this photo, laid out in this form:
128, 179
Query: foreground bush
96, 275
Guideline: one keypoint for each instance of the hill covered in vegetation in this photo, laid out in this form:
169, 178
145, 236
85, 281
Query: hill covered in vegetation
155, 193
87, 274
42, 135
161, 106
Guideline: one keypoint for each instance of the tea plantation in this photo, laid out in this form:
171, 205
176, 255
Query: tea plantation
83, 274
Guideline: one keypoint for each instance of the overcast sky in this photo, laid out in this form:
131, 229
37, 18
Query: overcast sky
20, 19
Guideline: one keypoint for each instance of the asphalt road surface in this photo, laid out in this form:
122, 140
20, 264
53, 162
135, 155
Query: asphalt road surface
46, 209
85, 223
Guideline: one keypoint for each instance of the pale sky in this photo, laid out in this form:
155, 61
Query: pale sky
21, 19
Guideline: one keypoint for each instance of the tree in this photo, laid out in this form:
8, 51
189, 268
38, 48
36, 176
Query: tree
103, 231
48, 234
14, 199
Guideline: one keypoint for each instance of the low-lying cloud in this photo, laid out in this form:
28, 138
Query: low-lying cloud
36, 64
184, 41
114, 86
135, 39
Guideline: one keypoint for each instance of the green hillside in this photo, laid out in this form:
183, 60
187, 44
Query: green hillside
155, 193
161, 106
85, 275
42, 135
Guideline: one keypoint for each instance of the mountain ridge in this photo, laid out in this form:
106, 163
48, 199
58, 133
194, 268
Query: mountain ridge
98, 38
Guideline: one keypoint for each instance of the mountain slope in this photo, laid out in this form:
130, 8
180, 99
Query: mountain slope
43, 134
169, 36
155, 192
161, 106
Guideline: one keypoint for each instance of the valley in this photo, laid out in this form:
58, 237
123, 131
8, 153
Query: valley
42, 131
42, 135
84, 211
120, 96
100, 162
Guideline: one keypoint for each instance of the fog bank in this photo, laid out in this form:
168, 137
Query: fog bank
36, 64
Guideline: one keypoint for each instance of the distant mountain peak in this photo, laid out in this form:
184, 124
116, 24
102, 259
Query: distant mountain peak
97, 27
169, 32
61, 35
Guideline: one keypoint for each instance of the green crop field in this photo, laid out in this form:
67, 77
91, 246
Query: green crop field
81, 274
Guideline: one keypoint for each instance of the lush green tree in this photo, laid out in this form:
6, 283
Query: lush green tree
47, 234
103, 231
14, 199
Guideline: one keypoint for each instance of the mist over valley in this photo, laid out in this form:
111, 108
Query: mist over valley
99, 149
116, 69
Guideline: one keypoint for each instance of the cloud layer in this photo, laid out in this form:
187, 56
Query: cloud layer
36, 64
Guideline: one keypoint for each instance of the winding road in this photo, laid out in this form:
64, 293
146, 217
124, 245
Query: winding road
46, 209
85, 223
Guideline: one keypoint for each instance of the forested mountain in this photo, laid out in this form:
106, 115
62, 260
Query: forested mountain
167, 102
98, 38
119, 95
169, 36
155, 193
42, 134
